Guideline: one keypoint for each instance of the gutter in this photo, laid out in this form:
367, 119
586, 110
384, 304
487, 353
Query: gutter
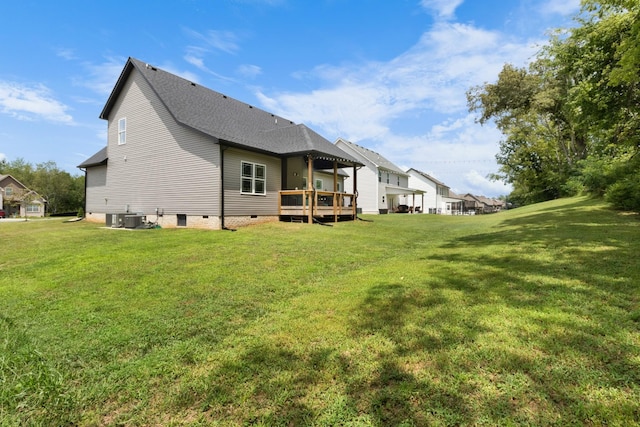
222, 226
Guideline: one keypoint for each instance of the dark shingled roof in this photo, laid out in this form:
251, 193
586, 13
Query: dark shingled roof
429, 177
100, 158
232, 121
373, 157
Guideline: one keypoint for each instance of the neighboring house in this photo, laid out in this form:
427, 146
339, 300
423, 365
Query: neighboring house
454, 204
438, 198
17, 200
481, 204
472, 205
382, 187
184, 155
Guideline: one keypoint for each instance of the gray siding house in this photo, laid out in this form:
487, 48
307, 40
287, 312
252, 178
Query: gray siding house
180, 154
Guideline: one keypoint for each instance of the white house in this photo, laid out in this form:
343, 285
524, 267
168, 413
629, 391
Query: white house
382, 187
438, 199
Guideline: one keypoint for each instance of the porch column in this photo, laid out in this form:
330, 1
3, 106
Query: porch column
355, 192
310, 185
335, 191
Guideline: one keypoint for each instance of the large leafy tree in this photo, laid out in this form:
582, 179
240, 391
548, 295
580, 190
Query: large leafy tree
573, 116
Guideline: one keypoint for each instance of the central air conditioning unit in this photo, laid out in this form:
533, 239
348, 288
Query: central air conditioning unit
133, 221
115, 220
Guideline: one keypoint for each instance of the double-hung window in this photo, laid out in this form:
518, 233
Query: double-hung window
254, 178
122, 131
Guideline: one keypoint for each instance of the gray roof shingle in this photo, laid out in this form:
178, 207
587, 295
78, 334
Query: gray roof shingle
374, 157
227, 119
100, 158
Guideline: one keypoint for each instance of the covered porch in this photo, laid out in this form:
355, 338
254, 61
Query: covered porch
404, 200
320, 196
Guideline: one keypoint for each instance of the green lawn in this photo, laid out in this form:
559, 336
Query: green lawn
530, 316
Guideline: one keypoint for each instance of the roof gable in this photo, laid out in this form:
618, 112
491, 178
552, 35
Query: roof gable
5, 180
428, 177
373, 157
225, 118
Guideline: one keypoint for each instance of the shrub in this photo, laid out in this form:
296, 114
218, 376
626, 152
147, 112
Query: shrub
625, 194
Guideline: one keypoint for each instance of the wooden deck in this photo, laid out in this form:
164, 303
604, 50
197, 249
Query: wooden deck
325, 205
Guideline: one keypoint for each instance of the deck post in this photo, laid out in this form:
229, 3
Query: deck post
355, 192
310, 186
335, 191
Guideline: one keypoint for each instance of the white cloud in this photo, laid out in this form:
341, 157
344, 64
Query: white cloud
481, 185
362, 101
390, 106
66, 53
442, 8
32, 102
214, 40
564, 8
249, 71
101, 78
3, 157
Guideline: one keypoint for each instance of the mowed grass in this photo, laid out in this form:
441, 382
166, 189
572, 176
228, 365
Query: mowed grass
530, 316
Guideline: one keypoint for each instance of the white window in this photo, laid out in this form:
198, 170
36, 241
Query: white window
31, 208
253, 179
122, 131
8, 191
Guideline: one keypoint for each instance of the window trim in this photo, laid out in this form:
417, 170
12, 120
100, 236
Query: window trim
253, 179
122, 132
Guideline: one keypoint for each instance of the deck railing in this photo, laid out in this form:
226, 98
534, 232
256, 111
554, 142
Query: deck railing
323, 203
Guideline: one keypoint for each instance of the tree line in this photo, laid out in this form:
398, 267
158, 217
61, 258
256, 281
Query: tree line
571, 119
62, 191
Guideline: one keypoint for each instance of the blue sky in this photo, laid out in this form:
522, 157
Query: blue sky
388, 75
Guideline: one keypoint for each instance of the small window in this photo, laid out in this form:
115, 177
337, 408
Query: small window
398, 180
379, 175
182, 220
122, 131
8, 191
387, 177
253, 179
318, 184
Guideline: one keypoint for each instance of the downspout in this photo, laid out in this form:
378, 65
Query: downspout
222, 226
85, 191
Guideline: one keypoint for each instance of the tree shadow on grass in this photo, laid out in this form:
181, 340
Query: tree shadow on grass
572, 279
436, 350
